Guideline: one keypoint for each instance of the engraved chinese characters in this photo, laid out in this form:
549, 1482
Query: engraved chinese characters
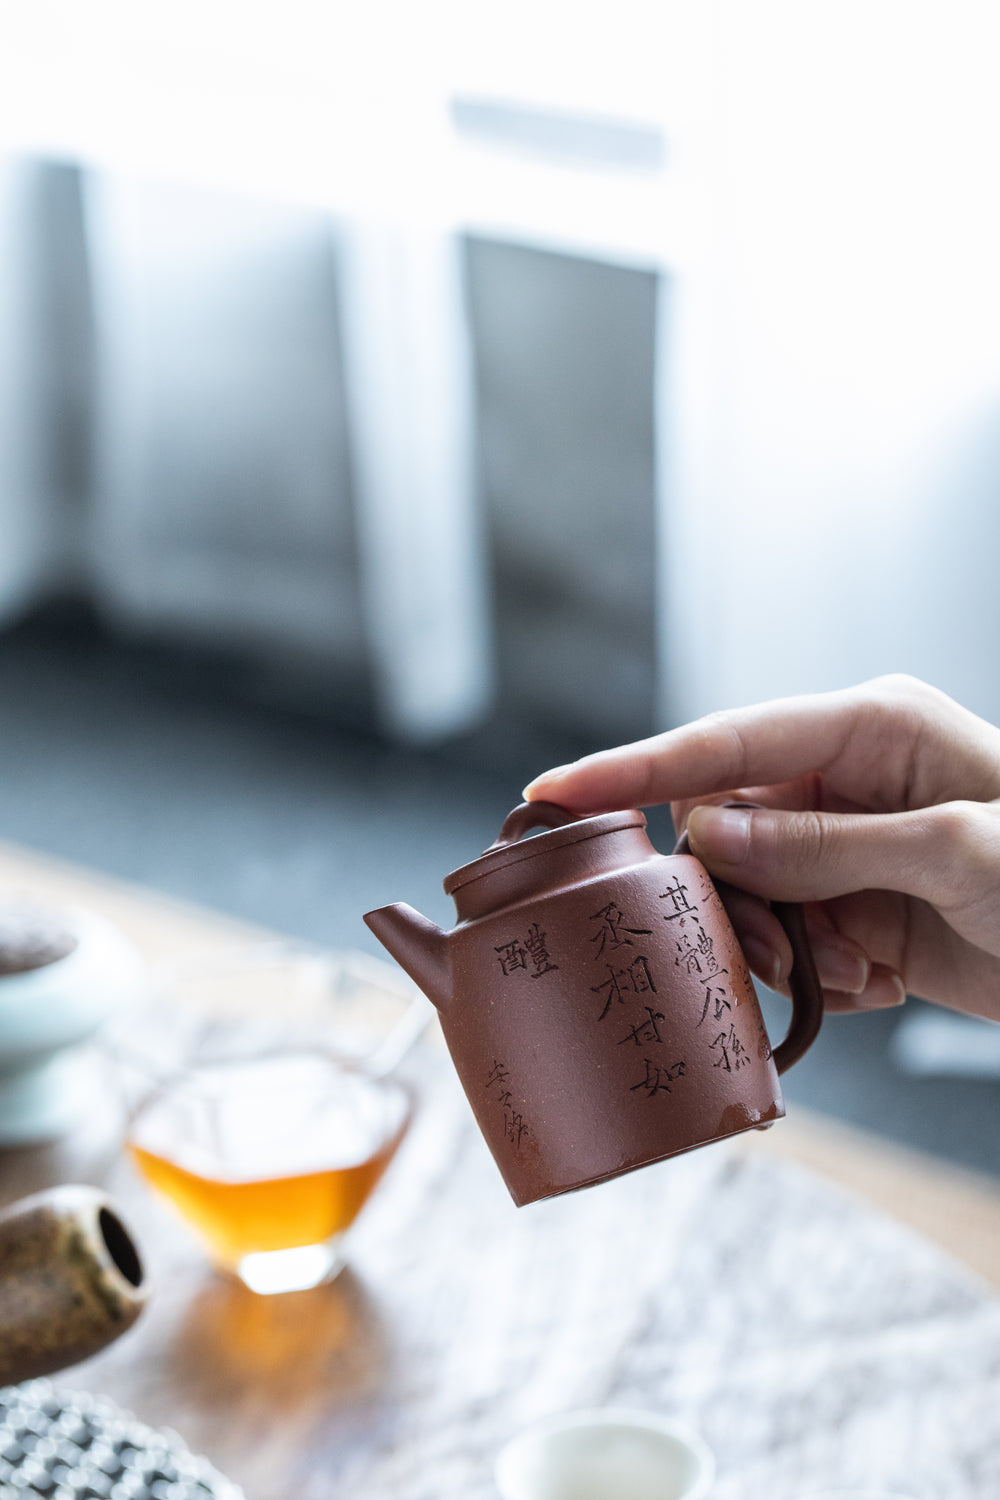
695, 949
696, 953
628, 994
499, 1088
526, 953
628, 976
595, 1001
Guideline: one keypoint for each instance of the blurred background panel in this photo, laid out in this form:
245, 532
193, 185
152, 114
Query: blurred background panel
392, 404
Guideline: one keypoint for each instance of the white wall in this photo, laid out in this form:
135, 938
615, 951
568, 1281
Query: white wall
835, 508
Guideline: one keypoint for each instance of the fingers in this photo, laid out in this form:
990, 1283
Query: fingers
887, 744
799, 795
811, 856
883, 990
866, 867
850, 980
760, 935
770, 743
843, 965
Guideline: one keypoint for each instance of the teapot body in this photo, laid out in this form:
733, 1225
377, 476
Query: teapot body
602, 1015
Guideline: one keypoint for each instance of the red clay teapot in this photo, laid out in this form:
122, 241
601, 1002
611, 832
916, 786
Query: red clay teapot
595, 1000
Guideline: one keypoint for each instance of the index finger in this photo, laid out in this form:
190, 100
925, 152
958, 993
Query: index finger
771, 742
860, 739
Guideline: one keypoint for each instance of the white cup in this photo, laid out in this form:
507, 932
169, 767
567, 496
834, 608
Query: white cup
47, 1076
605, 1455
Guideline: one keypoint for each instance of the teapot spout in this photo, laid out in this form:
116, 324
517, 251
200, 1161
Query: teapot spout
418, 946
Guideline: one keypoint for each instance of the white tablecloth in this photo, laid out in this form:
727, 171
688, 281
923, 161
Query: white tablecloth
811, 1341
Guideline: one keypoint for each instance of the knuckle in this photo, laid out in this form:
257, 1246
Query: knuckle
804, 839
646, 774
898, 703
911, 702
817, 838
725, 746
903, 717
901, 688
970, 828
959, 824
968, 835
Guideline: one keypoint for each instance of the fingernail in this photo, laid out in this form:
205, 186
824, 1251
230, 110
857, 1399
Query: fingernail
539, 782
763, 960
895, 982
546, 776
841, 968
884, 989
720, 833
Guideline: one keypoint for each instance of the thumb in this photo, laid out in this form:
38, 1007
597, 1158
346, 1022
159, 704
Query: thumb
813, 856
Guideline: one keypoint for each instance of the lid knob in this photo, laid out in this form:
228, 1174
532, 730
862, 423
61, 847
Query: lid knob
529, 815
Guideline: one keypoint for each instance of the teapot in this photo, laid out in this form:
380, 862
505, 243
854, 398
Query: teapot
595, 1001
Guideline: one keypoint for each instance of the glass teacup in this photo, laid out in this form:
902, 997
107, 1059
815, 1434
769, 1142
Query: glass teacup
263, 1102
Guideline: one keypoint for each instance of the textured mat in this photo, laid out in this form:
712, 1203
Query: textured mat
69, 1445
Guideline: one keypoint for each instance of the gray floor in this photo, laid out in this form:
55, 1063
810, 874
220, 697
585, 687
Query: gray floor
153, 767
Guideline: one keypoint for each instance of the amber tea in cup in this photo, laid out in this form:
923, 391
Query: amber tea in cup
266, 1141
271, 1159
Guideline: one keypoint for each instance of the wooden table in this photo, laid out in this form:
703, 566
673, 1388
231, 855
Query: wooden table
400, 1378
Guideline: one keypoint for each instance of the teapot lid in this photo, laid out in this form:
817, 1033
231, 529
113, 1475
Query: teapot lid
512, 845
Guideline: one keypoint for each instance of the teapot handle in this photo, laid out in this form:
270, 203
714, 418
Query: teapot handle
807, 992
529, 815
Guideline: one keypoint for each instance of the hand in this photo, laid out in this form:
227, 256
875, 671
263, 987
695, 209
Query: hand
883, 817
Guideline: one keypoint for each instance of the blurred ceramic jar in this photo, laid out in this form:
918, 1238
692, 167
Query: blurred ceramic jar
71, 1280
62, 973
